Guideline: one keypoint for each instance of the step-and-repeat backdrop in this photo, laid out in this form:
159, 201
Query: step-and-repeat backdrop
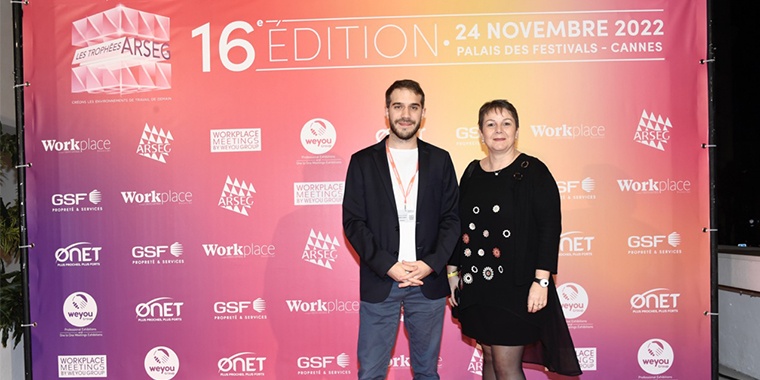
189, 160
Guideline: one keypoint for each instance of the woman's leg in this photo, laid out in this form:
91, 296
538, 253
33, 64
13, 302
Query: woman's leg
502, 362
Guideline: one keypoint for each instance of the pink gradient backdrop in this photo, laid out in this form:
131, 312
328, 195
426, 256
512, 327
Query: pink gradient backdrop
601, 92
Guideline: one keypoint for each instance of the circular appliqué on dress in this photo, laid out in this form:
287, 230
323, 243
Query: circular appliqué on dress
487, 273
474, 269
505, 233
486, 233
496, 252
467, 278
496, 208
481, 252
500, 269
476, 210
467, 252
466, 238
472, 226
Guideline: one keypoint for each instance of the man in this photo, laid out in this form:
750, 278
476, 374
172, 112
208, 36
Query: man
400, 214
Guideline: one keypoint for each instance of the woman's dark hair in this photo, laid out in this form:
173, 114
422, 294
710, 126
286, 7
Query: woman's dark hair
494, 105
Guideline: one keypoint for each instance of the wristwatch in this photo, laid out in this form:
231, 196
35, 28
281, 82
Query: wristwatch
542, 281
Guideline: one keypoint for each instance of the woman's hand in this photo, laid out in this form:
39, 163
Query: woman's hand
537, 297
453, 274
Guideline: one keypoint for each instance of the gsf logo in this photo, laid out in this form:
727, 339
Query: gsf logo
467, 133
645, 241
72, 199
155, 251
239, 306
315, 361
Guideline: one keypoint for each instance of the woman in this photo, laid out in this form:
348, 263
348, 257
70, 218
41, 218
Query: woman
508, 251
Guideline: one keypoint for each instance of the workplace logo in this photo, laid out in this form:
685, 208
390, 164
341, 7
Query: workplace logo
655, 244
658, 300
320, 249
157, 198
81, 366
80, 309
328, 365
235, 140
79, 254
586, 358
571, 132
654, 186
655, 356
574, 300
161, 363
575, 243
161, 309
318, 136
476, 362
237, 196
77, 202
653, 131
240, 310
155, 143
77, 146
238, 251
322, 307
120, 51
242, 364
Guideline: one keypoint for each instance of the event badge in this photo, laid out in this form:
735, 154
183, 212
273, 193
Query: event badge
406, 216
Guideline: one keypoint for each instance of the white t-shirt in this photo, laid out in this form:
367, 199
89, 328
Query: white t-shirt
406, 165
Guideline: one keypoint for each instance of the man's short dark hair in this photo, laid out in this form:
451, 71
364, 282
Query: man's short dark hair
407, 84
494, 105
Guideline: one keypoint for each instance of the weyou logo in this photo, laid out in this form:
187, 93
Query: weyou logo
80, 309
318, 136
161, 363
121, 51
655, 356
573, 298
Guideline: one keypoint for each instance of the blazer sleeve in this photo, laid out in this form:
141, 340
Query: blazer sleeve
448, 225
548, 218
356, 224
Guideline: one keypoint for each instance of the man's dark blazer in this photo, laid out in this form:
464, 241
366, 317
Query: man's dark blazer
370, 218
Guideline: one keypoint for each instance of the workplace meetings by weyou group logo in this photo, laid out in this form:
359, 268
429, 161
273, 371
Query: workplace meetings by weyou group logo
82, 366
120, 51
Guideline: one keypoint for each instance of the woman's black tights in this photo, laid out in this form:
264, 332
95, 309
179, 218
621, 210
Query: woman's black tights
502, 362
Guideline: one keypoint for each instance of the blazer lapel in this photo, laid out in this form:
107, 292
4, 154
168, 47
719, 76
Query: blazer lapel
381, 164
423, 152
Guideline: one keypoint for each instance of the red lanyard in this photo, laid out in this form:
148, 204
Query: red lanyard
408, 190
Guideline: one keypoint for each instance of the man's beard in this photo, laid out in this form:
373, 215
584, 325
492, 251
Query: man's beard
400, 134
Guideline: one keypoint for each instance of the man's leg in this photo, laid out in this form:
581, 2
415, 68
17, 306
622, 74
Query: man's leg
378, 327
423, 319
